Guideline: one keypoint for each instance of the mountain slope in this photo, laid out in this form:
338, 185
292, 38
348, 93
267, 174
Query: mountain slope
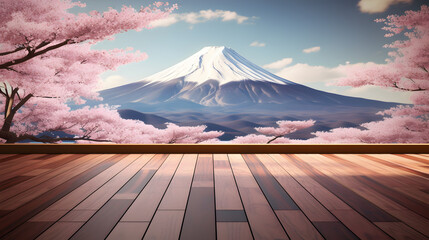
220, 77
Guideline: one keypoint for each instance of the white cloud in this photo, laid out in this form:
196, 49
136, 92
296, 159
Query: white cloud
311, 50
324, 78
112, 81
257, 44
199, 17
304, 73
278, 64
378, 6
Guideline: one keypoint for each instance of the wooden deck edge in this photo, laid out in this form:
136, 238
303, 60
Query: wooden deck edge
212, 148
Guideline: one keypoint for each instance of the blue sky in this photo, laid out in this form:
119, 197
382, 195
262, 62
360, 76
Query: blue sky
334, 32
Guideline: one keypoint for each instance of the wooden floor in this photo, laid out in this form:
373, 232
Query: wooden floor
214, 196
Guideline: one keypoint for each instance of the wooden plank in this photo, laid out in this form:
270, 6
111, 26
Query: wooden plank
19, 216
133, 163
176, 196
17, 167
128, 231
231, 219
362, 227
19, 188
213, 148
60, 231
7, 157
352, 220
406, 182
36, 172
13, 181
419, 158
335, 230
399, 230
26, 171
199, 221
420, 166
418, 169
21, 159
30, 194
262, 220
105, 186
165, 225
100, 225
136, 184
231, 216
306, 202
226, 192
278, 198
24, 163
399, 177
318, 171
145, 205
78, 216
339, 172
328, 199
233, 231
393, 165
78, 195
82, 214
27, 231
380, 185
297, 225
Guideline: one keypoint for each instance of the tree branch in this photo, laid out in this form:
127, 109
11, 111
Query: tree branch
31, 54
11, 137
395, 85
13, 51
271, 140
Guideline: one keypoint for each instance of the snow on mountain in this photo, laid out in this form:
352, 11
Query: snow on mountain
220, 77
216, 63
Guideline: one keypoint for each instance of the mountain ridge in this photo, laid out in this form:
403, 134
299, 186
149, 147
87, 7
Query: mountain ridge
219, 79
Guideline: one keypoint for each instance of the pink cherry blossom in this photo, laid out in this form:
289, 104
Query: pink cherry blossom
274, 134
405, 70
47, 62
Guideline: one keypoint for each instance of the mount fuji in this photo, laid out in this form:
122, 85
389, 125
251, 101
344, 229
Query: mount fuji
221, 79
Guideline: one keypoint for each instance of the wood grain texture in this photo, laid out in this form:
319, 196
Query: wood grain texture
128, 231
86, 161
262, 220
227, 197
165, 225
16, 220
399, 230
212, 148
278, 198
100, 225
214, 196
389, 163
297, 225
385, 207
306, 202
200, 220
383, 186
176, 196
318, 170
233, 231
145, 205
61, 231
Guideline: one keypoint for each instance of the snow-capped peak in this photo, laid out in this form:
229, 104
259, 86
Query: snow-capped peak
216, 63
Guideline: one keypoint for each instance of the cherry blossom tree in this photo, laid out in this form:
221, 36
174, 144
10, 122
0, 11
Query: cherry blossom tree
185, 134
274, 134
47, 63
405, 70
